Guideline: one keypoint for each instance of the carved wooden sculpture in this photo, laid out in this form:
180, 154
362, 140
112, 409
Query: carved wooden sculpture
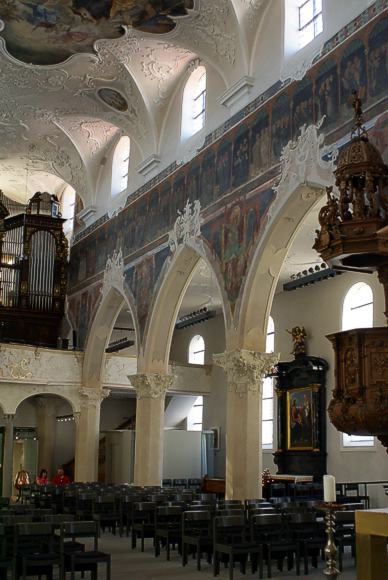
354, 236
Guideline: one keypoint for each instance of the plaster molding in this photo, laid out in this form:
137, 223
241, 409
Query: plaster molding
8, 419
113, 274
148, 165
238, 93
187, 227
151, 385
245, 369
39, 366
87, 214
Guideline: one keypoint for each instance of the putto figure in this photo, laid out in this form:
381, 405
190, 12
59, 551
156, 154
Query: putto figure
299, 335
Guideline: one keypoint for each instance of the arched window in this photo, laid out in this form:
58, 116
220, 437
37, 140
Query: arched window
197, 350
357, 312
194, 418
194, 103
68, 209
120, 166
267, 400
303, 22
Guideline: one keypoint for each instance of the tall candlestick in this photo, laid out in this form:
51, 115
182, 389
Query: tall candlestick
329, 493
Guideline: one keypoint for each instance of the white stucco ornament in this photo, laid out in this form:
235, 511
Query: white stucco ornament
187, 227
151, 385
303, 160
113, 273
245, 369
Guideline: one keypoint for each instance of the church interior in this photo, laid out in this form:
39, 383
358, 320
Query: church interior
194, 287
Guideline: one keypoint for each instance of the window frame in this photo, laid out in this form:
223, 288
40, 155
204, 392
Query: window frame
346, 307
316, 16
196, 404
270, 333
190, 118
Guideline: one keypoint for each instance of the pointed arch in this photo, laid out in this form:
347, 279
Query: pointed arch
154, 354
101, 330
263, 274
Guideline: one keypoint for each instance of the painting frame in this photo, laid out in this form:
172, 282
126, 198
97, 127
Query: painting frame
301, 418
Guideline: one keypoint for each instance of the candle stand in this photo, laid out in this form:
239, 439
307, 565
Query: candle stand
331, 570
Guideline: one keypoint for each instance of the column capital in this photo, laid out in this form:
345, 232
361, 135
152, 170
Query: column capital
246, 369
91, 396
151, 385
8, 418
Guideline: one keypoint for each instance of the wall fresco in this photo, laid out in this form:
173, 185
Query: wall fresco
240, 165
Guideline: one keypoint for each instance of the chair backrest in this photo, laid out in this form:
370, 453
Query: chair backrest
36, 535
199, 521
56, 520
230, 512
267, 526
76, 529
13, 520
261, 511
302, 518
229, 529
168, 514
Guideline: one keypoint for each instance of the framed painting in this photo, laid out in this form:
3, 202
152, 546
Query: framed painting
301, 418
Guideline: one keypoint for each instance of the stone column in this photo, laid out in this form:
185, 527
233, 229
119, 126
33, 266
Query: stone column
8, 456
88, 433
245, 370
151, 391
46, 430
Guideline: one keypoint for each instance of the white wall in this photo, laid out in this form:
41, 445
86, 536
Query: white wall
319, 309
182, 454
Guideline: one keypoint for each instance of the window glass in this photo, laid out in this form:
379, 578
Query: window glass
194, 418
120, 166
267, 417
194, 103
197, 350
310, 20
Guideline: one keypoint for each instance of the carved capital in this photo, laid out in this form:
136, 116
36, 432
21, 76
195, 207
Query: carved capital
151, 385
246, 369
92, 397
76, 415
8, 419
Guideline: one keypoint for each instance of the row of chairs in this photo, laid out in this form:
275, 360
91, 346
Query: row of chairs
38, 548
257, 534
345, 491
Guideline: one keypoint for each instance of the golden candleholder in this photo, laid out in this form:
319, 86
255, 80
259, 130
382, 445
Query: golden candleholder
331, 570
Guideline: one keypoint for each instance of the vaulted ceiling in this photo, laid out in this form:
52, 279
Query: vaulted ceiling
77, 74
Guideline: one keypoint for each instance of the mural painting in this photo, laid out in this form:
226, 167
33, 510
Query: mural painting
378, 59
233, 234
81, 310
327, 94
281, 128
260, 141
222, 169
48, 32
142, 281
302, 107
353, 73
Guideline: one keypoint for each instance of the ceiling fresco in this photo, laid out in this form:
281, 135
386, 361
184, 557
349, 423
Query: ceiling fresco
49, 31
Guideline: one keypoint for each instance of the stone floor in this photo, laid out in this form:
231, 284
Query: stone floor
128, 564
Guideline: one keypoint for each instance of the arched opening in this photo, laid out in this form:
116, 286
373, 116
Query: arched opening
191, 418
113, 332
120, 166
44, 432
194, 103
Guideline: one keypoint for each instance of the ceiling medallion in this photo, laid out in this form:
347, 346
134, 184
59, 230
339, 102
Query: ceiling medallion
47, 33
113, 99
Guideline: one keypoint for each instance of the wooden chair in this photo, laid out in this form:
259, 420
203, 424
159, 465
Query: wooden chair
34, 553
232, 543
88, 560
345, 533
197, 534
272, 533
168, 528
143, 522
